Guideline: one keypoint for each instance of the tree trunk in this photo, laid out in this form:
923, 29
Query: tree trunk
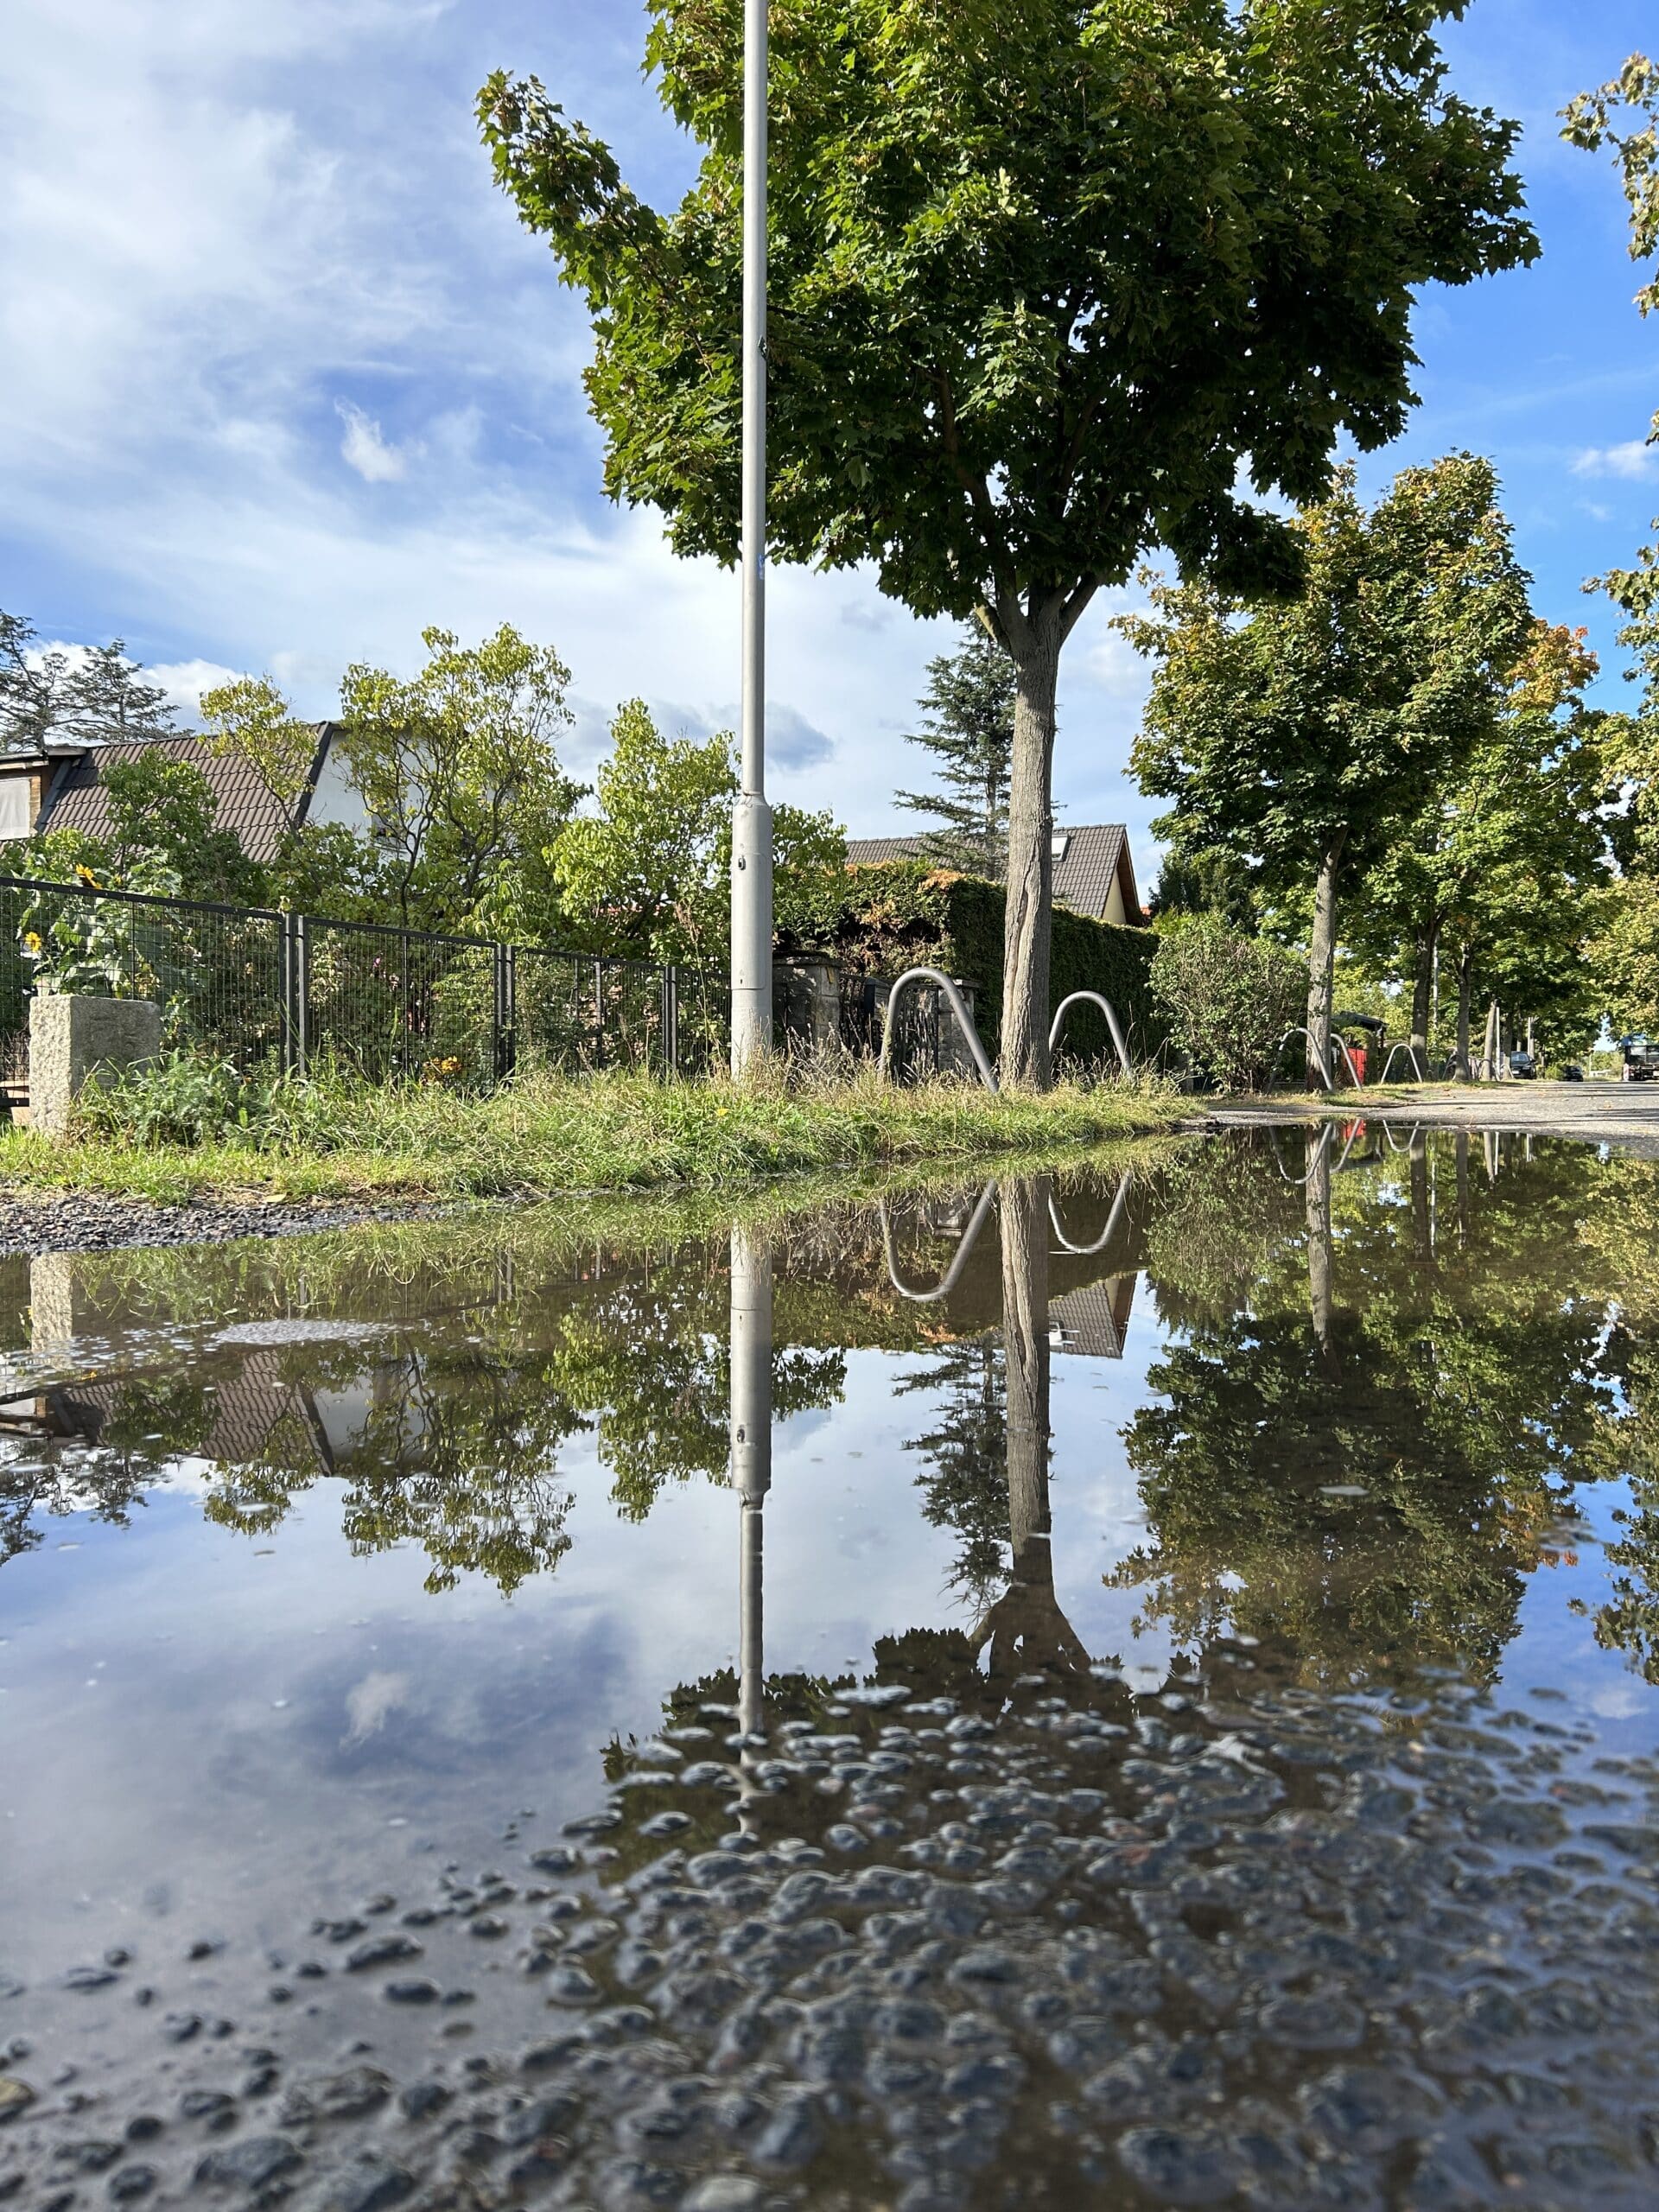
1465, 993
1422, 993
1422, 1217
1026, 1354
1321, 962
1321, 1294
1026, 1628
1462, 1151
1029, 878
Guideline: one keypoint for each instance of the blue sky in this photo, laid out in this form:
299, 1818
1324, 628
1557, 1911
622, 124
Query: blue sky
282, 381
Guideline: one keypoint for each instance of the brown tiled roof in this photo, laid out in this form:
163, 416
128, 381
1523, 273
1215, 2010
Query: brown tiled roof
1083, 876
78, 799
1093, 1320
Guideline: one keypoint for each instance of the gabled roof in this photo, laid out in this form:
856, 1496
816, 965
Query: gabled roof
1087, 860
78, 799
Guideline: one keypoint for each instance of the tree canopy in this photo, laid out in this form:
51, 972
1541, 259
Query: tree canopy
1306, 735
90, 695
968, 727
1043, 281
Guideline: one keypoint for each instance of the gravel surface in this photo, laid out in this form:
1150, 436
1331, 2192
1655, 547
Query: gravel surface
1258, 1949
80, 1220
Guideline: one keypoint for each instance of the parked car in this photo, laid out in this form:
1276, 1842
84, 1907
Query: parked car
1641, 1063
1572, 1072
1521, 1066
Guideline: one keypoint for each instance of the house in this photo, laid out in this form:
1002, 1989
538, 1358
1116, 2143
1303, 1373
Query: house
1093, 873
61, 787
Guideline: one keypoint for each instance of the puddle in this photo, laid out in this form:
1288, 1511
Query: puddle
1138, 1691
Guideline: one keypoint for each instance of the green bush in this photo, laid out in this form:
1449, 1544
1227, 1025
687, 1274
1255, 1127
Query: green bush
1227, 1000
181, 1098
880, 920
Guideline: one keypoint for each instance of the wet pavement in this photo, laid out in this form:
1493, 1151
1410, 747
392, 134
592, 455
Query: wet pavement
1139, 1691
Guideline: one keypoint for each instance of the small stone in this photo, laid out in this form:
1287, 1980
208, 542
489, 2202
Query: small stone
370, 2183
251, 2164
15, 2096
723, 2193
382, 1951
417, 1991
82, 1979
129, 2184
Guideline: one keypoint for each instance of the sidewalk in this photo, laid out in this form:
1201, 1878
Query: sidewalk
1622, 1114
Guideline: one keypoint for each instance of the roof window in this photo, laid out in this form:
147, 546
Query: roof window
1058, 844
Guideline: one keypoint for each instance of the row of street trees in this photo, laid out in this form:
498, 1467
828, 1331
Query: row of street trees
1399, 753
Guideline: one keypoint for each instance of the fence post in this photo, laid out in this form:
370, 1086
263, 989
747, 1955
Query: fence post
506, 1011
670, 1020
302, 995
598, 1014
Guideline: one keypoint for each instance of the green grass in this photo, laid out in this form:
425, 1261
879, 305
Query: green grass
547, 1136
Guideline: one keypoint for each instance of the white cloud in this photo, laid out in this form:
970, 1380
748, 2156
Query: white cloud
363, 447
184, 682
1635, 458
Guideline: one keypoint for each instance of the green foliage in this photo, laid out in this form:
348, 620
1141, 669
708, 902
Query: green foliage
968, 727
185, 1097
1306, 736
458, 776
95, 696
1227, 999
162, 837
1042, 280
878, 920
1501, 868
649, 873
250, 720
88, 946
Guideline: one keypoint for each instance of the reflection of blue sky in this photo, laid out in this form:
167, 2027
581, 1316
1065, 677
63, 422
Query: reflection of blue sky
234, 1734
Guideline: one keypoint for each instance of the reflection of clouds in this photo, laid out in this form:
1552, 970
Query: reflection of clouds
367, 1706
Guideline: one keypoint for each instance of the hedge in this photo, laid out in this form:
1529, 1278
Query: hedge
889, 915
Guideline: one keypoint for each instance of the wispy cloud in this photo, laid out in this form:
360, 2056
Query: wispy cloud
1636, 458
365, 447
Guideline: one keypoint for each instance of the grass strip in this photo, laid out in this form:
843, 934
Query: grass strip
547, 1136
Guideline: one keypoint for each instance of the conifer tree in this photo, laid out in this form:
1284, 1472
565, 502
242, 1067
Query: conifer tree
968, 727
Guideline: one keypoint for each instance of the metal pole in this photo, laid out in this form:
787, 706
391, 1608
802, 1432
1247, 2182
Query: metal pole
752, 817
751, 1419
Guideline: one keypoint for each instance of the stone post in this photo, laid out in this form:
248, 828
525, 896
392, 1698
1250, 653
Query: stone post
74, 1041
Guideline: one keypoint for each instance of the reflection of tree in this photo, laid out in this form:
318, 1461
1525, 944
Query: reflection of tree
965, 1486
1451, 1382
1024, 1629
648, 1364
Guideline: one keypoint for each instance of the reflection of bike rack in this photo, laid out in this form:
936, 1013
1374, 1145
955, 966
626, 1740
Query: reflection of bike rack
1341, 1044
1094, 998
1410, 1051
947, 1283
1326, 1135
954, 1000
1416, 1131
1100, 1243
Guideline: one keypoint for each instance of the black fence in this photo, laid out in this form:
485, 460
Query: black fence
293, 992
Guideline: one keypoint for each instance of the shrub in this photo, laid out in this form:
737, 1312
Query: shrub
878, 919
183, 1097
1227, 999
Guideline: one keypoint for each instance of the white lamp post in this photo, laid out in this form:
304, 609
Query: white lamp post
752, 818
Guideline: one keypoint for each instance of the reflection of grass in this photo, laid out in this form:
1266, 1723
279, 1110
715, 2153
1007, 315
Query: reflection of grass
551, 1136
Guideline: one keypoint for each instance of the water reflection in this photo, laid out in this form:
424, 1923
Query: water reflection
1107, 1781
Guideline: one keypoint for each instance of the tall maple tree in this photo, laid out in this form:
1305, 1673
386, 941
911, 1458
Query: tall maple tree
1044, 279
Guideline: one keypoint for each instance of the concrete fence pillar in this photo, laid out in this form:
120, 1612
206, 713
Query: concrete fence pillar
74, 1041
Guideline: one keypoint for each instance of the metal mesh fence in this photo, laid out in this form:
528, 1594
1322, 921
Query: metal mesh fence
276, 990
216, 972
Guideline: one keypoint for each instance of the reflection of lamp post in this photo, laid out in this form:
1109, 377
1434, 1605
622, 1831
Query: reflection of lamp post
751, 1419
752, 817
